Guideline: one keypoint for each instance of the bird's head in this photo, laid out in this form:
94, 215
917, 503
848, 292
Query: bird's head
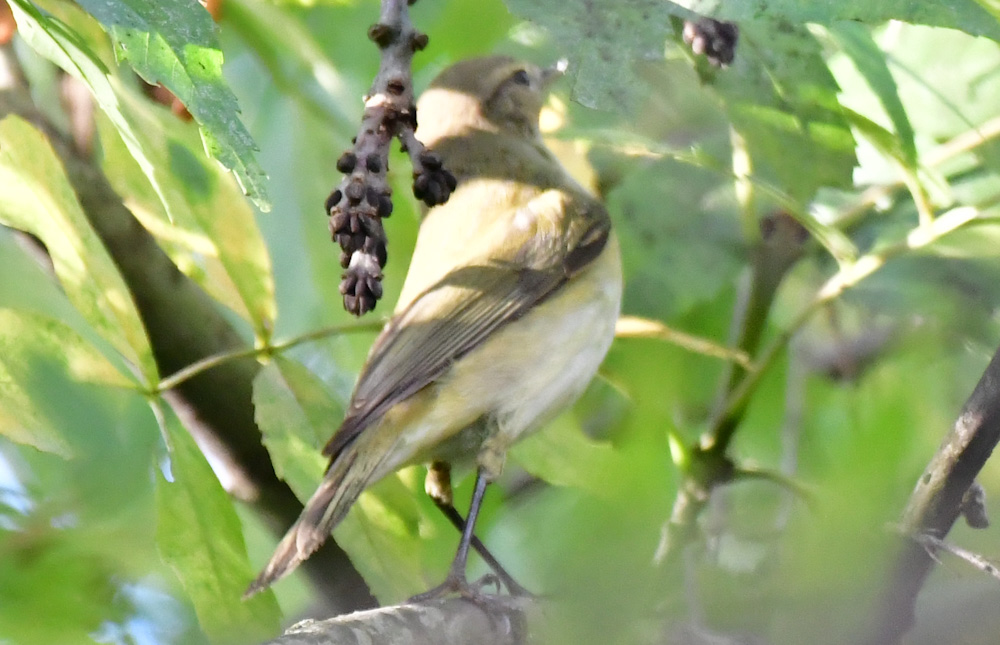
497, 93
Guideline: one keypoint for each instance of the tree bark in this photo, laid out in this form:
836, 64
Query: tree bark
451, 621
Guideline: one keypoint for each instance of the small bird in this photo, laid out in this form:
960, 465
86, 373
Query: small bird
507, 310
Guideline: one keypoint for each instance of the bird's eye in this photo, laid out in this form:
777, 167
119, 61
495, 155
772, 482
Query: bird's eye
521, 77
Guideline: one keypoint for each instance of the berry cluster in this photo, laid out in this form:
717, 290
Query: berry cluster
716, 39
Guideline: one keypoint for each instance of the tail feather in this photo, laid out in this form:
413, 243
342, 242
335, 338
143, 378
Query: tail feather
344, 481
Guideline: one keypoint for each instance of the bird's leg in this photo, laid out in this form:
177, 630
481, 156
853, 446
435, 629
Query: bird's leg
456, 581
438, 487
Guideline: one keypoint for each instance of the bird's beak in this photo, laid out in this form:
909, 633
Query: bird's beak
551, 74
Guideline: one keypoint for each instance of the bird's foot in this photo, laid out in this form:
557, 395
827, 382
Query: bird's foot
458, 585
513, 588
454, 585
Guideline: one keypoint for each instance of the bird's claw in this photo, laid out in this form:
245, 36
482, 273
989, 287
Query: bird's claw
458, 585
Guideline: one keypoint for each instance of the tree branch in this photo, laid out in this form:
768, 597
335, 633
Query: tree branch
184, 325
453, 621
936, 503
779, 248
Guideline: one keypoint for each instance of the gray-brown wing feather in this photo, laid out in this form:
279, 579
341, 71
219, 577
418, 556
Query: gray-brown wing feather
409, 355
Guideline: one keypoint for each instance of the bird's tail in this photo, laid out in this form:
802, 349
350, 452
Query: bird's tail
344, 481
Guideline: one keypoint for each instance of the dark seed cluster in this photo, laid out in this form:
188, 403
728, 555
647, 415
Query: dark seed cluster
715, 39
432, 183
363, 198
356, 210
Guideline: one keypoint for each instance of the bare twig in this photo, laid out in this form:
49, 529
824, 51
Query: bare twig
453, 621
981, 562
636, 327
207, 363
791, 430
787, 482
937, 503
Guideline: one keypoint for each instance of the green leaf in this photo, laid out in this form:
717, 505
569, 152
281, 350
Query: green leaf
173, 43
200, 537
782, 99
602, 39
57, 572
965, 15
954, 93
562, 455
32, 346
698, 238
978, 240
38, 198
870, 61
992, 6
881, 139
296, 416
778, 93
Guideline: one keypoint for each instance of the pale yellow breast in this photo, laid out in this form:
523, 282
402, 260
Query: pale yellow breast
531, 369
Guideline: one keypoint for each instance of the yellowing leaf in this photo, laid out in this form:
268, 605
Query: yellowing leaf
37, 198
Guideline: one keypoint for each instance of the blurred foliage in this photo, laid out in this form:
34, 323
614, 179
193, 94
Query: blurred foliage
866, 122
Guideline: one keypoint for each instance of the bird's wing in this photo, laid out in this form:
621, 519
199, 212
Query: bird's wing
455, 315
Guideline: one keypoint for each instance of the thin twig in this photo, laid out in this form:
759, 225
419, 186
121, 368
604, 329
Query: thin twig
805, 492
636, 327
207, 363
933, 545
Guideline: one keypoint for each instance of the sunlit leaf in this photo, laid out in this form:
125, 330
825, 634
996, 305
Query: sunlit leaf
782, 100
37, 198
870, 61
602, 41
213, 235
945, 96
173, 43
55, 40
